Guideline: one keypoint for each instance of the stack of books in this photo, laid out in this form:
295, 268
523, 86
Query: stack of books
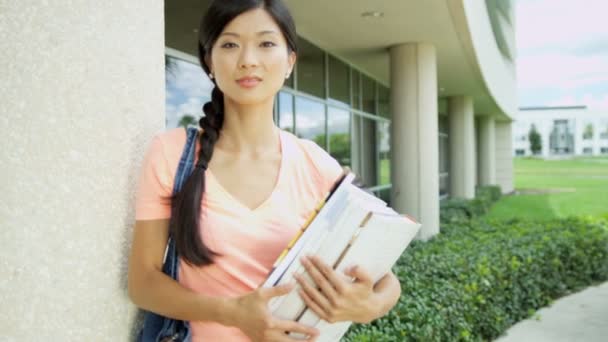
349, 227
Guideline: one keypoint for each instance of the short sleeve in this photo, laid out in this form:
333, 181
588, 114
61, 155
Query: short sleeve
328, 167
155, 184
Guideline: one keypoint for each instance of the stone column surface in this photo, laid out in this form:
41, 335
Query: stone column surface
487, 151
82, 93
414, 134
461, 131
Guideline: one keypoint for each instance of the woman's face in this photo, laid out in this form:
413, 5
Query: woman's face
251, 45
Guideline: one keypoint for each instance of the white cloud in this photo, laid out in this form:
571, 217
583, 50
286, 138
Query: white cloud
563, 49
560, 23
561, 71
592, 102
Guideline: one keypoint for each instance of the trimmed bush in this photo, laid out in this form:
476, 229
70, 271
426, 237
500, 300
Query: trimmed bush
476, 279
458, 210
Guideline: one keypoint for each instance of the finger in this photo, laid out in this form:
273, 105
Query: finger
325, 304
324, 276
276, 291
313, 305
295, 327
360, 274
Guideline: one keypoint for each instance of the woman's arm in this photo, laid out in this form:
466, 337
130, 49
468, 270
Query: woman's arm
151, 289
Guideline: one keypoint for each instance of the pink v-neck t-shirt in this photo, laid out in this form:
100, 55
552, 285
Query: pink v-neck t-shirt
249, 241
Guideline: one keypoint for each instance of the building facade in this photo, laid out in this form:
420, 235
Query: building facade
417, 97
564, 131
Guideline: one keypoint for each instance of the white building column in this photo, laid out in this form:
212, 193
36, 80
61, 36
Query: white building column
486, 150
461, 131
82, 92
504, 156
414, 134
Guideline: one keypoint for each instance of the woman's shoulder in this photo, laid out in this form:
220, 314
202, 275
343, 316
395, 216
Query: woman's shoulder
311, 155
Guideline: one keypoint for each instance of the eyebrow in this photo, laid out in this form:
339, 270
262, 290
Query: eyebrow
261, 33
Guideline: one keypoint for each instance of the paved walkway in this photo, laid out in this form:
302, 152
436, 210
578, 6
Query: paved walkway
581, 316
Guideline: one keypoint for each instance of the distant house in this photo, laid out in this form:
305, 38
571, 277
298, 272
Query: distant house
564, 131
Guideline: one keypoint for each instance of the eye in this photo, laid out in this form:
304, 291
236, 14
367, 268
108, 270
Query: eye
268, 44
226, 45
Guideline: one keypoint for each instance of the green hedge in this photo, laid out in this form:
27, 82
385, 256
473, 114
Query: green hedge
457, 210
476, 279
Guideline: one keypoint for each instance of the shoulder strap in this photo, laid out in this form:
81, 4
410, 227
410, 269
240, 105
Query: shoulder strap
186, 162
184, 169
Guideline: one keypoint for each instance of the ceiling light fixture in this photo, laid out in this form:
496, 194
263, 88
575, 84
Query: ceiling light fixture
372, 14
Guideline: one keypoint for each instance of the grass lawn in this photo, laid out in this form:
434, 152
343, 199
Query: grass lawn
576, 187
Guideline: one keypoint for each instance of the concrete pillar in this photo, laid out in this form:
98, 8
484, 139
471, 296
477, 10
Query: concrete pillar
82, 93
461, 130
486, 148
414, 134
504, 156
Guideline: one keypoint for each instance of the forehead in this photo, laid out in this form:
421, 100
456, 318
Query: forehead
251, 23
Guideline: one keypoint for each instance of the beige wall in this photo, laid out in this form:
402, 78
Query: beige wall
504, 156
82, 91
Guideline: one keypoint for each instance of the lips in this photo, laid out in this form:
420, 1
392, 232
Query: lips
249, 81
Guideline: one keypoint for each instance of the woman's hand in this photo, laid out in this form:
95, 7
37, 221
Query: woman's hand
336, 298
250, 314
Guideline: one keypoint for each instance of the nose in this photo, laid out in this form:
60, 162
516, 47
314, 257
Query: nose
248, 57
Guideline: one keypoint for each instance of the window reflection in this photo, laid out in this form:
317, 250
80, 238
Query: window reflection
368, 91
310, 120
339, 89
384, 101
384, 152
187, 90
368, 152
338, 123
311, 69
356, 85
286, 111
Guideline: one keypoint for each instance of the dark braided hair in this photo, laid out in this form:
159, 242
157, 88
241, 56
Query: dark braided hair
186, 205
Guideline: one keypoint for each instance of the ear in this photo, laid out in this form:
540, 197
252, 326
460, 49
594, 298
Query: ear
291, 60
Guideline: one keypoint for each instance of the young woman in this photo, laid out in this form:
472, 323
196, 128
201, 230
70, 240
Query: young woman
252, 188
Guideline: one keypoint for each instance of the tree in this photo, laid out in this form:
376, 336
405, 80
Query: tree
588, 133
187, 120
535, 140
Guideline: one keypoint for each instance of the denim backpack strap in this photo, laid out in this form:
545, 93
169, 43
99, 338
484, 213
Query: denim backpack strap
156, 327
184, 169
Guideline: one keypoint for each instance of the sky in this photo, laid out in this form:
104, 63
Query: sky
562, 52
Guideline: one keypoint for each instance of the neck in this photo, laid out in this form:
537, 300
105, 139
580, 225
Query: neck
248, 129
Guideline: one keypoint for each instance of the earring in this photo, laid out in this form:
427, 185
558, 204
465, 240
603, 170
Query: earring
211, 75
287, 76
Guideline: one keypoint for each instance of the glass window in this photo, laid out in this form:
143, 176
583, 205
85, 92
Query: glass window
356, 144
310, 120
187, 89
443, 184
368, 87
338, 125
369, 157
356, 84
444, 152
339, 89
385, 195
443, 124
384, 94
311, 69
286, 111
384, 152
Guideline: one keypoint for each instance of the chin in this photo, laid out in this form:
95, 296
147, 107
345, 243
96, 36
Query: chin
252, 98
